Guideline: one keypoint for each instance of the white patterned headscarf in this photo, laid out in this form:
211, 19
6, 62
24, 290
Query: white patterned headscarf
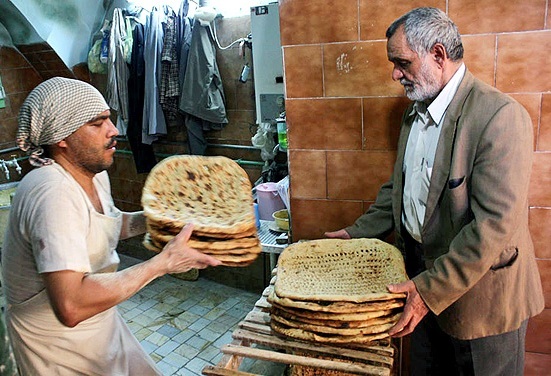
54, 110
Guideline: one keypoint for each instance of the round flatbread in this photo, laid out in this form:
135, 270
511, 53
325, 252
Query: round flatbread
378, 325
336, 322
169, 231
209, 243
309, 336
335, 307
213, 193
353, 270
325, 316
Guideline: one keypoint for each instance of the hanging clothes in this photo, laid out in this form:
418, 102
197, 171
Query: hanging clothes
153, 122
117, 69
144, 155
169, 86
184, 41
203, 94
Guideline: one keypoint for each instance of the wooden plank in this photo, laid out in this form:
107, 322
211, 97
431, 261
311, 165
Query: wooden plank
229, 361
257, 328
267, 355
315, 348
217, 371
257, 321
262, 304
258, 317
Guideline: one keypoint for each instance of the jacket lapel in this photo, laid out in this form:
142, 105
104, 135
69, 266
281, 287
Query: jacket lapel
444, 150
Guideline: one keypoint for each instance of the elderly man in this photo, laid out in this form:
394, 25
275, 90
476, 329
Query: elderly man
59, 257
457, 202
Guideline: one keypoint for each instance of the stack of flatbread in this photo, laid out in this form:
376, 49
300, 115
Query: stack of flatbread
212, 193
334, 291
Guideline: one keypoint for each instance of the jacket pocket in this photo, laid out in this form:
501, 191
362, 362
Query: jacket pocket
505, 259
454, 183
459, 202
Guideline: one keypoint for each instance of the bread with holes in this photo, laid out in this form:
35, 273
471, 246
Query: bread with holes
352, 270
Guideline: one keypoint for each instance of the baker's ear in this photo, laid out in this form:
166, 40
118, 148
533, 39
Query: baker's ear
61, 144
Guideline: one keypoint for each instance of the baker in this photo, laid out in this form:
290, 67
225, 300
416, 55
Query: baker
59, 259
458, 205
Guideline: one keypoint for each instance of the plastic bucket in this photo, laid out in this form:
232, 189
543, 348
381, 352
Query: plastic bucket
269, 200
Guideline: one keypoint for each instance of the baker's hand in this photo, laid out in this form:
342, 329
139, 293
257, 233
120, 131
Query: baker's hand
339, 234
414, 310
181, 257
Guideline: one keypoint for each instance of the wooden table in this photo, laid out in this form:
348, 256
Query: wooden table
255, 339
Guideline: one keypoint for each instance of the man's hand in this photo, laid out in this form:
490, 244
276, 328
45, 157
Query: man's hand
414, 310
181, 257
339, 234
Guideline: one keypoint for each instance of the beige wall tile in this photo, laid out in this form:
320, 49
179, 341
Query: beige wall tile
522, 65
358, 69
479, 56
540, 181
381, 122
312, 21
532, 103
377, 15
544, 136
494, 16
303, 71
308, 174
539, 229
357, 175
311, 218
327, 124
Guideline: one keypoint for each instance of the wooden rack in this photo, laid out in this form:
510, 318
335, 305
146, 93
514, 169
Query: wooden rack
254, 339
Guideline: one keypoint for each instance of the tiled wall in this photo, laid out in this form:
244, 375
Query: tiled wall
19, 77
24, 67
343, 110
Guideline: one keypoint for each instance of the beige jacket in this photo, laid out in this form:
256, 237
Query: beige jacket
481, 277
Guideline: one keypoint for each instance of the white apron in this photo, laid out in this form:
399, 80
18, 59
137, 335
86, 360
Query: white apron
102, 345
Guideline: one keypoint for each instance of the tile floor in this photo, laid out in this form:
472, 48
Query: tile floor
182, 324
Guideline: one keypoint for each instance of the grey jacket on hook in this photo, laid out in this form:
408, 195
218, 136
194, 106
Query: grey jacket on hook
202, 93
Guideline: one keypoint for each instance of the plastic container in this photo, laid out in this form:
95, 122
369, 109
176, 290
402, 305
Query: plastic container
268, 200
282, 133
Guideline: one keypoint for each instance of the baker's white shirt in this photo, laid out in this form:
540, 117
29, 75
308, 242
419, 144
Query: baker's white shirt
420, 152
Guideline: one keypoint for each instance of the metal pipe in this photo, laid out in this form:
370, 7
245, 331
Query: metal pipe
238, 161
173, 143
230, 146
9, 150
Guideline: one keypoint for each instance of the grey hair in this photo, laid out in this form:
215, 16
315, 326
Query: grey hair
424, 27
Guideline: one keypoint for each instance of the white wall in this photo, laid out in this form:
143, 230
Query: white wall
65, 25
